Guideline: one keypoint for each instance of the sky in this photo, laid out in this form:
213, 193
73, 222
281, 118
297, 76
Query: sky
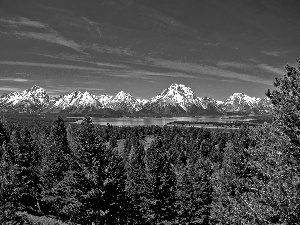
215, 47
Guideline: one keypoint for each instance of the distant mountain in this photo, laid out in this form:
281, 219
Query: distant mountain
124, 102
77, 102
242, 103
175, 100
179, 99
31, 100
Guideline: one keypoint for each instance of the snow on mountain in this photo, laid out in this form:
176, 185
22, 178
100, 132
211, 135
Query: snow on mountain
177, 94
219, 102
141, 102
124, 102
180, 99
34, 99
209, 104
104, 100
175, 100
77, 100
242, 103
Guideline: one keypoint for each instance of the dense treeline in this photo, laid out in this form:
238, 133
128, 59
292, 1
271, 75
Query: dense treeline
88, 174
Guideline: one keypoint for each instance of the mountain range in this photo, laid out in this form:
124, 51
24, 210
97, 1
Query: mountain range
177, 100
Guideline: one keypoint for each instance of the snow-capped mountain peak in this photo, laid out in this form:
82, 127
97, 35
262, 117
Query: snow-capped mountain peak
175, 100
77, 102
122, 95
243, 97
124, 101
239, 102
34, 99
178, 93
35, 88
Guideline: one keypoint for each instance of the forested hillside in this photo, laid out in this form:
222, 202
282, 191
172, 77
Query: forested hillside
88, 174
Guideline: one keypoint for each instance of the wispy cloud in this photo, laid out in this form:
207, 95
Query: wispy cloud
56, 66
144, 74
85, 59
45, 34
273, 53
110, 50
51, 38
14, 79
116, 72
255, 68
271, 69
236, 65
10, 89
199, 69
22, 21
23, 74
112, 65
211, 44
148, 74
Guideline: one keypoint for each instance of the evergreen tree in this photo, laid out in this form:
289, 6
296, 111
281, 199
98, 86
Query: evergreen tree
135, 180
159, 200
27, 183
194, 193
8, 196
286, 101
93, 190
54, 164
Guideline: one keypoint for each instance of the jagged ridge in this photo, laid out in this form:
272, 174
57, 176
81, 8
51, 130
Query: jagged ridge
175, 100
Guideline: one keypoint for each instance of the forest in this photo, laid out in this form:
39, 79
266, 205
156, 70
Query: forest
89, 174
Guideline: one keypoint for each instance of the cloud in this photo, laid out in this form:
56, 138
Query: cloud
112, 65
148, 74
47, 34
10, 89
236, 65
211, 44
111, 50
22, 21
51, 38
143, 74
198, 69
273, 53
258, 69
14, 79
84, 59
271, 69
56, 66
23, 74
117, 72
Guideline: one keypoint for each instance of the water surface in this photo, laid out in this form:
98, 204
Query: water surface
149, 121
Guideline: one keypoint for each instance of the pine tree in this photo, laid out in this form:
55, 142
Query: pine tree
194, 193
27, 181
135, 180
158, 202
9, 194
286, 102
93, 190
55, 163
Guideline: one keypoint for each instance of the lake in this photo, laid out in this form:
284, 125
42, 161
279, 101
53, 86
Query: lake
149, 121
